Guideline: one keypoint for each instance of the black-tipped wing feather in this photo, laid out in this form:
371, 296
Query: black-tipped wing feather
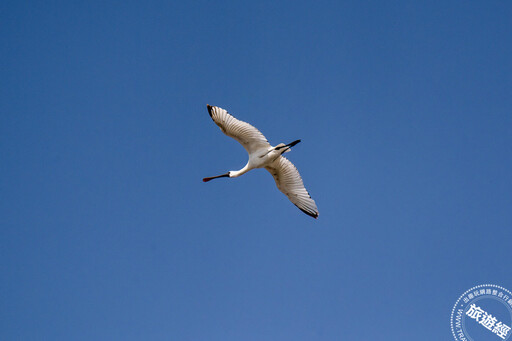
289, 181
248, 136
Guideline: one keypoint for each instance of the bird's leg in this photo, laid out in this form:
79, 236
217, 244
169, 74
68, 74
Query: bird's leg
266, 153
288, 145
281, 146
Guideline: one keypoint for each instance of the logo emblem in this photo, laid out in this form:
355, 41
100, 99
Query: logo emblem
483, 313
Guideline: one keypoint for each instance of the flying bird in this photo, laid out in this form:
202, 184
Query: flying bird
263, 155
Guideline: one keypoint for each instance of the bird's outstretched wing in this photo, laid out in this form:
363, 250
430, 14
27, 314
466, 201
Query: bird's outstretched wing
289, 182
248, 136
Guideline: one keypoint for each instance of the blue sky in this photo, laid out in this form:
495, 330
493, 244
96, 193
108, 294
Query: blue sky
108, 233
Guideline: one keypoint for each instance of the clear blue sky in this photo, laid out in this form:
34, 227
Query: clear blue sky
107, 232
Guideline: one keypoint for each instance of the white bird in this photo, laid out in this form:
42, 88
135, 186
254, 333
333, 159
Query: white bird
263, 155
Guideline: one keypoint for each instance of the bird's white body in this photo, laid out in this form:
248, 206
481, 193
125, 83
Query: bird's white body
258, 159
263, 155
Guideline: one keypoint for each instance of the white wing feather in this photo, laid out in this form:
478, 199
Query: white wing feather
289, 182
248, 136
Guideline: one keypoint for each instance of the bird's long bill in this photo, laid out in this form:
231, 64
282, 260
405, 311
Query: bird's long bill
215, 177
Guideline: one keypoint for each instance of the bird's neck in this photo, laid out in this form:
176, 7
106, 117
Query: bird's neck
234, 174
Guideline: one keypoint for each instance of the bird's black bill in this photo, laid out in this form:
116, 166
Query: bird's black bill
215, 177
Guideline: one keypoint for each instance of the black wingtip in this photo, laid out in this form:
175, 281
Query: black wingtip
209, 109
314, 215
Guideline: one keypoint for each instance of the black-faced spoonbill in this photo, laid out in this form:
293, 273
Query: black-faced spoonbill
263, 155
